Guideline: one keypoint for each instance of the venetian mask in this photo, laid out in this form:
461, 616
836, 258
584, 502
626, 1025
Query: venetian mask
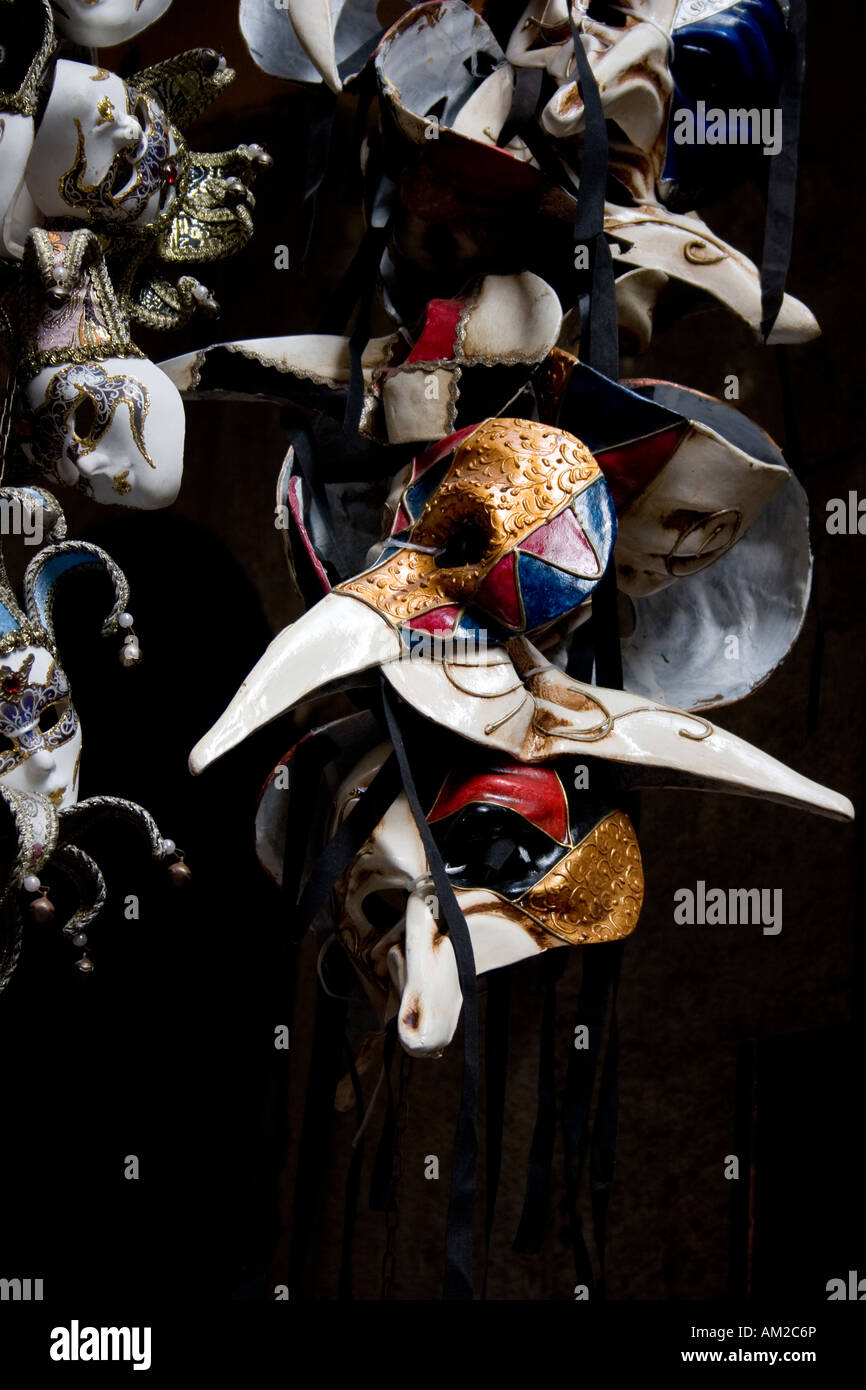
114, 429
628, 50
40, 737
729, 56
502, 527
103, 417
473, 346
101, 23
689, 474
500, 531
533, 866
103, 151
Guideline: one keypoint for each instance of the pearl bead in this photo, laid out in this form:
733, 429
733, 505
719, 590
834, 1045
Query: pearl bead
80, 938
168, 846
32, 884
125, 620
130, 654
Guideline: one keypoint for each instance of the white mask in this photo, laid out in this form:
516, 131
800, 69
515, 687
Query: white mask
40, 736
103, 151
101, 23
113, 428
103, 417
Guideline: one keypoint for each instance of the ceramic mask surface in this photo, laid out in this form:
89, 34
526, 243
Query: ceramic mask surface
113, 428
530, 871
101, 23
40, 736
103, 151
503, 527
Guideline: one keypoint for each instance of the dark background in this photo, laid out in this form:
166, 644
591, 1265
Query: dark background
167, 1051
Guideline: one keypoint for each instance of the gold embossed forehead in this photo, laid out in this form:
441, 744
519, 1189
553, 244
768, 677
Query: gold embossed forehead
515, 475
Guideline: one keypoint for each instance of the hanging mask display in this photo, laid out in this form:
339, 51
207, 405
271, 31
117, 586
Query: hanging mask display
713, 533
101, 416
727, 64
102, 23
499, 533
40, 735
104, 150
450, 213
533, 865
469, 356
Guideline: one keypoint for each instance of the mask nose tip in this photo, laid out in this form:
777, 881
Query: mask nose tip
44, 761
88, 464
127, 132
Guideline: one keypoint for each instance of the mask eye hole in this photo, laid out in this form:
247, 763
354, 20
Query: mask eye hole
467, 545
84, 418
141, 113
6, 744
384, 910
607, 14
50, 716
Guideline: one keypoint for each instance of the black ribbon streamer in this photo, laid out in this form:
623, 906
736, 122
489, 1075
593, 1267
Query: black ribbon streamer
599, 342
601, 967
533, 1220
338, 852
496, 1026
458, 1238
320, 132
599, 336
782, 182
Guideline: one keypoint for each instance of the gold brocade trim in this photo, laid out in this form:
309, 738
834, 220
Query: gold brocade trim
94, 322
596, 892
26, 635
517, 473
410, 583
25, 101
507, 479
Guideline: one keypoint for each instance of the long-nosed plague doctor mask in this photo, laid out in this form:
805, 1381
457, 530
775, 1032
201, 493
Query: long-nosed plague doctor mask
500, 531
534, 863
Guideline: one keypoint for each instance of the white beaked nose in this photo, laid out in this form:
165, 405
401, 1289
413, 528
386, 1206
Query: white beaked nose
44, 761
431, 1001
